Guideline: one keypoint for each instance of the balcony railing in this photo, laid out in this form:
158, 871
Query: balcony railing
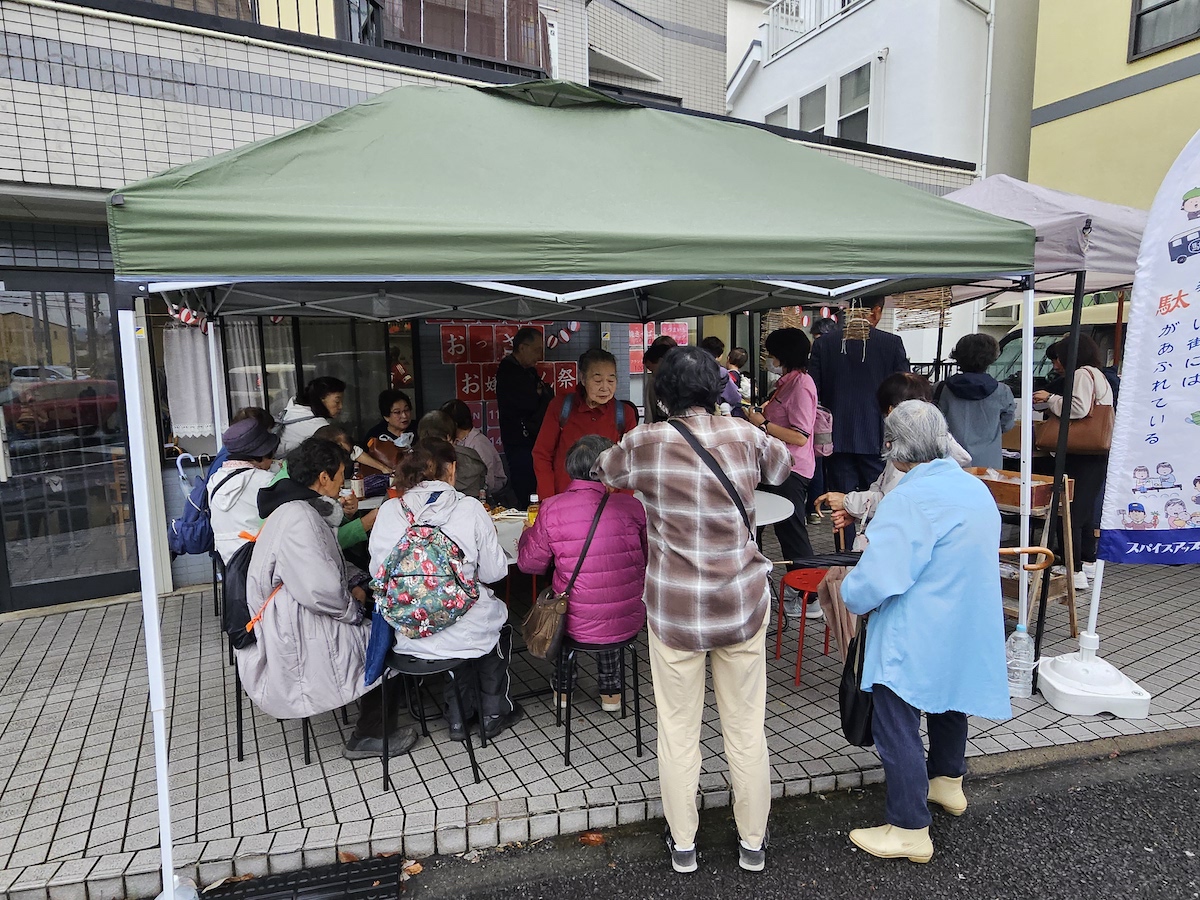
790, 20
505, 32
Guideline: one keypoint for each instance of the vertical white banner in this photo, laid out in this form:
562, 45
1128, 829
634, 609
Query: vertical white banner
1152, 499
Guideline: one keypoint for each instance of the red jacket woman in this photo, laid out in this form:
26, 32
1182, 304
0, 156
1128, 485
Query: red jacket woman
593, 410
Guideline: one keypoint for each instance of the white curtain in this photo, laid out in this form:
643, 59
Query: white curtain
189, 390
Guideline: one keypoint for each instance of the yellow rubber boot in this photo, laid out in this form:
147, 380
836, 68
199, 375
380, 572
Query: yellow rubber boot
892, 842
948, 794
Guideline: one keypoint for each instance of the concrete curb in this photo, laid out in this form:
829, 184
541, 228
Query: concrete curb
479, 826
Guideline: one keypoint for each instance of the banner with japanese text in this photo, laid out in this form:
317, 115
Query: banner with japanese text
1152, 498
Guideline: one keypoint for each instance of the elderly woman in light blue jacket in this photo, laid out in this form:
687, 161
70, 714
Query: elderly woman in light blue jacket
935, 640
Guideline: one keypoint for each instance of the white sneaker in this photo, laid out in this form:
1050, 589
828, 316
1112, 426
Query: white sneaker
1089, 569
813, 610
1081, 581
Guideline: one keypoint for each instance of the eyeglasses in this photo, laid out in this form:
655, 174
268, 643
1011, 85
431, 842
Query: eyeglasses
399, 412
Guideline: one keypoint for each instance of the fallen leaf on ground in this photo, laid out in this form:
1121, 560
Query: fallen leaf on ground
1114, 754
345, 856
413, 868
232, 879
374, 884
591, 838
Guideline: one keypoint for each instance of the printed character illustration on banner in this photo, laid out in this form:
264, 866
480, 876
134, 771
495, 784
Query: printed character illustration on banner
1194, 418
1184, 245
1141, 478
1166, 476
1135, 519
1191, 203
1196, 488
1194, 520
1176, 513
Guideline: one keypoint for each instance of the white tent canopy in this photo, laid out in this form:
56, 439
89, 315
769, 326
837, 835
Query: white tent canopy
1074, 234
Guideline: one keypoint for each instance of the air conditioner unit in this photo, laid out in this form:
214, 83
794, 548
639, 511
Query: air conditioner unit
1000, 315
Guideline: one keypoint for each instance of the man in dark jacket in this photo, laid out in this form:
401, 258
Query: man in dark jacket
847, 374
522, 398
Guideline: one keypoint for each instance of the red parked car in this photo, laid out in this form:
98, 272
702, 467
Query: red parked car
78, 405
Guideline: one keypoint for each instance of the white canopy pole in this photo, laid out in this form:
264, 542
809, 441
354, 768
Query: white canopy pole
1027, 313
214, 376
132, 339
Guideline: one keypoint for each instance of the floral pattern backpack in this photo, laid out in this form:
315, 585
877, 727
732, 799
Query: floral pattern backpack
421, 587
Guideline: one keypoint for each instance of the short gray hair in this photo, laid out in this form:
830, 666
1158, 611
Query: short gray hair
915, 432
583, 455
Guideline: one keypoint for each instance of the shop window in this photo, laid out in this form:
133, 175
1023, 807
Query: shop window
1158, 24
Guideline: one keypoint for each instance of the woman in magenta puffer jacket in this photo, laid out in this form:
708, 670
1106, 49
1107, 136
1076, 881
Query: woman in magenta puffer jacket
606, 603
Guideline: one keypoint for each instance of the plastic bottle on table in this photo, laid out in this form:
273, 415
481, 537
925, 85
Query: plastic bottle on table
534, 506
1019, 650
356, 482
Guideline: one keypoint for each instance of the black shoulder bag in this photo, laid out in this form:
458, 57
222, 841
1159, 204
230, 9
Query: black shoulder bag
546, 624
857, 705
716, 468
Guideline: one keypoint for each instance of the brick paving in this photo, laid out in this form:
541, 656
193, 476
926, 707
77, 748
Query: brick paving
77, 793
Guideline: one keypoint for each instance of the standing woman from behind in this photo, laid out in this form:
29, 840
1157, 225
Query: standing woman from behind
978, 408
1091, 387
789, 415
592, 408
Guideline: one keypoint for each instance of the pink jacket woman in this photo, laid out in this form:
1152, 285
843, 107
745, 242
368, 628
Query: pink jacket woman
606, 602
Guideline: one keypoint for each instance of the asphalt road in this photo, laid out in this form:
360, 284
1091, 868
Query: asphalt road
1127, 827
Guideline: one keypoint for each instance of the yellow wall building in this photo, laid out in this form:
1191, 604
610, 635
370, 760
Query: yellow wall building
1116, 95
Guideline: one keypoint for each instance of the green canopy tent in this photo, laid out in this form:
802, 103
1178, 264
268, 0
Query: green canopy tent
539, 200
544, 199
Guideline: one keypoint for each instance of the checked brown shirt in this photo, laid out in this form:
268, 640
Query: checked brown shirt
706, 580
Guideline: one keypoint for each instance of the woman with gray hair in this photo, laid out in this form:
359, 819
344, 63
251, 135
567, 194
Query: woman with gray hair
935, 640
606, 601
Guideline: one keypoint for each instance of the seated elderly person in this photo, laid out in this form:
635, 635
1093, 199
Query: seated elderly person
470, 470
606, 600
935, 638
310, 638
481, 635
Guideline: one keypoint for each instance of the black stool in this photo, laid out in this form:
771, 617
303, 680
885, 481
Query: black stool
566, 659
418, 670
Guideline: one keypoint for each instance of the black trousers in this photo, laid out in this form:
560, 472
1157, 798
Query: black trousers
1089, 472
793, 532
370, 714
493, 697
847, 472
896, 727
520, 471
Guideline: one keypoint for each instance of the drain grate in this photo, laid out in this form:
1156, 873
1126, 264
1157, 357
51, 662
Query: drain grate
371, 879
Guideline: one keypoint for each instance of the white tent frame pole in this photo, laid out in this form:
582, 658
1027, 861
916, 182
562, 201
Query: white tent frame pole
1027, 313
214, 377
132, 339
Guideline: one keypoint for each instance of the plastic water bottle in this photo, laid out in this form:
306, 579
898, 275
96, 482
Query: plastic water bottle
1019, 650
532, 511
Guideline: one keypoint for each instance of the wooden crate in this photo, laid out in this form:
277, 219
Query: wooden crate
1008, 493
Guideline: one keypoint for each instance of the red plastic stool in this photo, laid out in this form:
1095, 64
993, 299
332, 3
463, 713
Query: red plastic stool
805, 582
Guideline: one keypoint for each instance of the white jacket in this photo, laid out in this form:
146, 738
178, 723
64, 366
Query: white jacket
233, 504
861, 504
296, 425
467, 523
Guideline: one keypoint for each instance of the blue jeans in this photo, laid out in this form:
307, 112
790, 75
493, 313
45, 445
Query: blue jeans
897, 729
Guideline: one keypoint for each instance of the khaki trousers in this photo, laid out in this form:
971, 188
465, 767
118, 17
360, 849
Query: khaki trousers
739, 675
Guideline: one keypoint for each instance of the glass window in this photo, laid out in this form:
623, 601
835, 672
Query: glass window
66, 507
778, 117
1158, 24
812, 112
853, 103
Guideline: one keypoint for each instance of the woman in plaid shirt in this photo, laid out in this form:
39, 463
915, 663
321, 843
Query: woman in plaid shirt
706, 593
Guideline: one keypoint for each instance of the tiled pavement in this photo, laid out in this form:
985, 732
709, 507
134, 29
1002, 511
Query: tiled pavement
78, 810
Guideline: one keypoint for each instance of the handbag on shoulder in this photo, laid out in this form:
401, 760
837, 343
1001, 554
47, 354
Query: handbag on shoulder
1091, 435
857, 706
546, 624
